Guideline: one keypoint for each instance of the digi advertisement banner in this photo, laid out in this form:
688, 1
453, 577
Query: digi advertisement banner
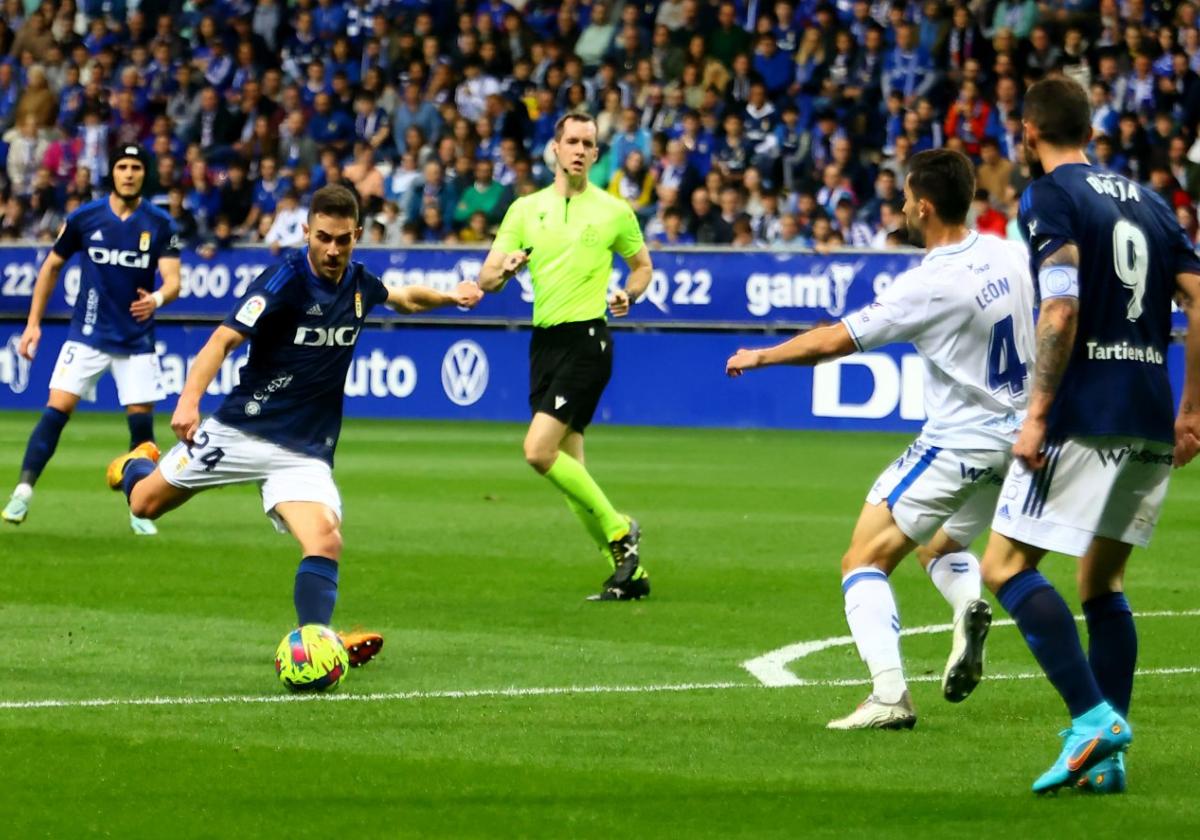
478, 373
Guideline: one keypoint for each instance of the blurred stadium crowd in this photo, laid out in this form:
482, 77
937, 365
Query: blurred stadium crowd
743, 122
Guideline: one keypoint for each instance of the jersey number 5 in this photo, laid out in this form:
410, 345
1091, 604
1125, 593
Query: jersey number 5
1005, 368
1131, 259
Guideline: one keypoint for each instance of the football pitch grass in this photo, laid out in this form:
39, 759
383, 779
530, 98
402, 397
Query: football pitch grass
491, 710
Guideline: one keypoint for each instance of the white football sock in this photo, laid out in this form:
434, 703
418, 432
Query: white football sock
956, 576
875, 625
23, 491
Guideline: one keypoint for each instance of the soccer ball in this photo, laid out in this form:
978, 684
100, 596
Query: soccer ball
311, 658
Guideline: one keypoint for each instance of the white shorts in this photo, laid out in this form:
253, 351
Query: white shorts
221, 455
80, 366
1090, 487
928, 488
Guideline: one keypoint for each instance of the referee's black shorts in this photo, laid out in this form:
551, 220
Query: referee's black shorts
569, 365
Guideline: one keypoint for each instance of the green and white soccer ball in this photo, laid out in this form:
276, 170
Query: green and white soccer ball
312, 658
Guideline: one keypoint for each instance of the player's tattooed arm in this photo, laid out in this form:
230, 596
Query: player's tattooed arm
808, 348
1055, 333
1057, 323
1187, 421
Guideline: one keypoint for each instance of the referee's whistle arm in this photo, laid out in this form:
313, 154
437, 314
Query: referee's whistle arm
499, 268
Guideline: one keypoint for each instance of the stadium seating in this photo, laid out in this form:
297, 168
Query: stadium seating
786, 124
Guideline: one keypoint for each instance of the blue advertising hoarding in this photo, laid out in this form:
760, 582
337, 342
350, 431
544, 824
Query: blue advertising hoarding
479, 373
691, 287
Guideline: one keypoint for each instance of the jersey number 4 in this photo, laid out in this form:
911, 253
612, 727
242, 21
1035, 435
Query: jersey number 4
1005, 368
1131, 260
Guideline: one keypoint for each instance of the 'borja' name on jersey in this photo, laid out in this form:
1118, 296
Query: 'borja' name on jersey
1118, 188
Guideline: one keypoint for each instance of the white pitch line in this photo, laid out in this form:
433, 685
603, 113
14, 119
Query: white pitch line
494, 692
771, 669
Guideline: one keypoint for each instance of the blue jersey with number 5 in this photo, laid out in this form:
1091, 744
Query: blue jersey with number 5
116, 258
1131, 247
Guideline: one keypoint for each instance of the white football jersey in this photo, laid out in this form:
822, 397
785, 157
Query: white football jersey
968, 309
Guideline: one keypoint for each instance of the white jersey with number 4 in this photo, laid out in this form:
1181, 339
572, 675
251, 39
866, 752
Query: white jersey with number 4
968, 309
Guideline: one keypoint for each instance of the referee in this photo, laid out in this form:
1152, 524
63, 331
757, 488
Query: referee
566, 234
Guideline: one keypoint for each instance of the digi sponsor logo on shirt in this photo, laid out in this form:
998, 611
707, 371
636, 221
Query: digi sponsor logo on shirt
326, 336
113, 256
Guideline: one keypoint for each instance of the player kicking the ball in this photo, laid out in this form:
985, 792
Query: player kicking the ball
968, 309
280, 425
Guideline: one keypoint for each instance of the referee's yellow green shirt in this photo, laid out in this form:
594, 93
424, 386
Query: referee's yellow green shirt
573, 241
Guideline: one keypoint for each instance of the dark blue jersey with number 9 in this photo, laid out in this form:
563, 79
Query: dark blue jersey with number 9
1131, 247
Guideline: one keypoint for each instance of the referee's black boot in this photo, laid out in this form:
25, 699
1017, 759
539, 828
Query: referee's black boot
629, 580
634, 589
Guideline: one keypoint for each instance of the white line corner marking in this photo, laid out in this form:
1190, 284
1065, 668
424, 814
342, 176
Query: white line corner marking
771, 669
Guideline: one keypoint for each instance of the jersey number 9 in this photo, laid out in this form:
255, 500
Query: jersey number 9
1131, 260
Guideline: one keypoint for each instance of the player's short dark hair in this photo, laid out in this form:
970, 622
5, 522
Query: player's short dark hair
1058, 108
946, 179
336, 201
572, 116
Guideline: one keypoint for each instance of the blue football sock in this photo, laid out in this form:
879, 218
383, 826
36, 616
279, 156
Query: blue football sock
1045, 621
42, 443
135, 471
1112, 647
141, 428
316, 590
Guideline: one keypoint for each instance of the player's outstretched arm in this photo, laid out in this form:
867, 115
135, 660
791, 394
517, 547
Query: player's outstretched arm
150, 302
186, 419
499, 267
47, 279
411, 299
1057, 322
1187, 422
641, 270
808, 348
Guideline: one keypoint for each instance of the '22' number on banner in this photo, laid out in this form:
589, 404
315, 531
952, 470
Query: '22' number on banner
692, 288
19, 279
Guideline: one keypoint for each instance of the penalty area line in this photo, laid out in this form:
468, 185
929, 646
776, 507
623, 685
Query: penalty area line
468, 694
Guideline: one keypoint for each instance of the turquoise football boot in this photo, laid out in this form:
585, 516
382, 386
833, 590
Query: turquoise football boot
1094, 736
1106, 777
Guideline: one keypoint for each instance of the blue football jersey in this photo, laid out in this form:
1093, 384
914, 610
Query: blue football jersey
302, 330
1131, 247
116, 258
